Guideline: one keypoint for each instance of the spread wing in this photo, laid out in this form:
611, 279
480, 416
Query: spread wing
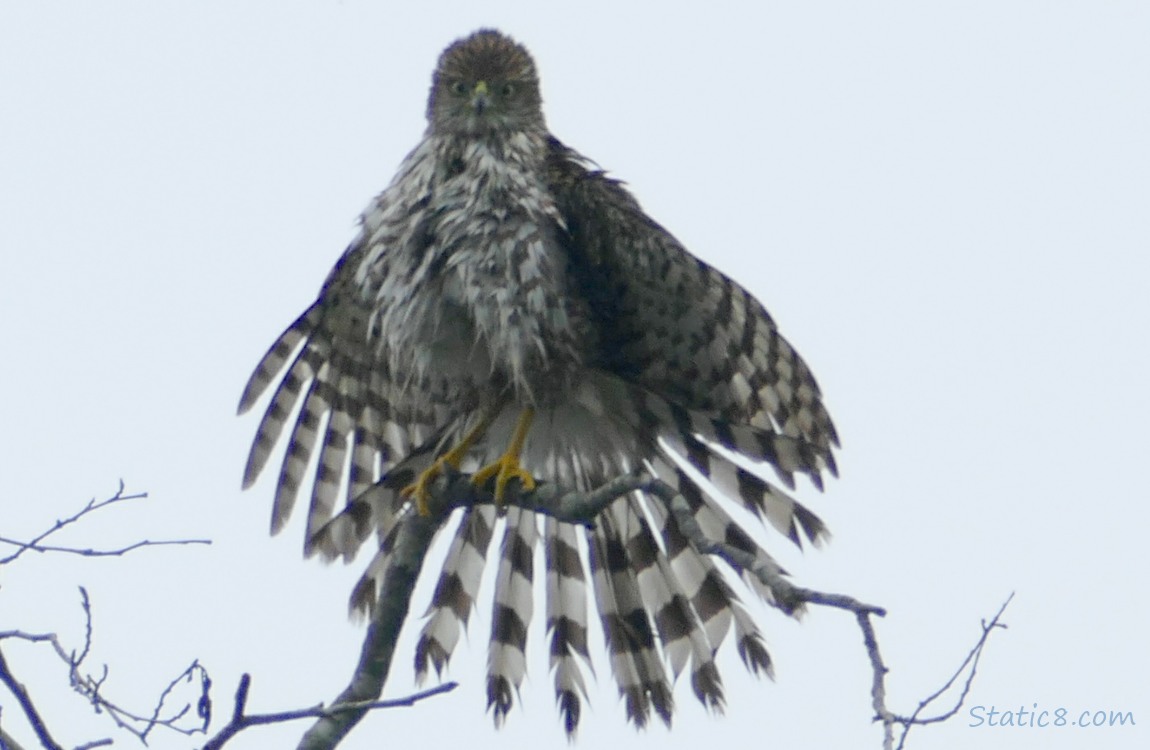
677, 327
340, 392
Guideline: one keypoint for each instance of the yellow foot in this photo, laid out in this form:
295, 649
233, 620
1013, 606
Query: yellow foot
420, 489
507, 466
504, 470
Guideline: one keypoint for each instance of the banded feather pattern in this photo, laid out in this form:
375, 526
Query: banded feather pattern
456, 592
627, 626
566, 618
505, 303
511, 616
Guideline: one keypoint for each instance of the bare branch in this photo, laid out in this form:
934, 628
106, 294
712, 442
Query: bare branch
970, 661
788, 596
90, 686
93, 506
94, 743
87, 684
878, 678
89, 552
409, 545
26, 705
412, 540
7, 741
453, 489
241, 721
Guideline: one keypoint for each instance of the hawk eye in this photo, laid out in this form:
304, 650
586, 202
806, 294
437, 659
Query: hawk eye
459, 88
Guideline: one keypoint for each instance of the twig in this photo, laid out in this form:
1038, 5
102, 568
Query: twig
89, 552
94, 743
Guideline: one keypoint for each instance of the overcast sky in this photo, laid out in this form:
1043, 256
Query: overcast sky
945, 206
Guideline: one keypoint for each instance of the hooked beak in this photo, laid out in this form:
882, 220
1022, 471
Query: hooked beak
479, 99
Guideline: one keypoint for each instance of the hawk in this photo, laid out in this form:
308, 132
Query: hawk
509, 310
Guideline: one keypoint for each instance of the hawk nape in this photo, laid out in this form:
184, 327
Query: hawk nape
509, 310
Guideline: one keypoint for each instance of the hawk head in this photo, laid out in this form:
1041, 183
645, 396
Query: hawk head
484, 84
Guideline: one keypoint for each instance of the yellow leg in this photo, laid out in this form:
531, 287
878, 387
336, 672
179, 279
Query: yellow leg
419, 490
507, 467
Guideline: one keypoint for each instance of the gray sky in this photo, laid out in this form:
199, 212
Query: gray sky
944, 206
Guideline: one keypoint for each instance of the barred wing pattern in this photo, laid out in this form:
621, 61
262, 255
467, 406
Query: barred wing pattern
678, 327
